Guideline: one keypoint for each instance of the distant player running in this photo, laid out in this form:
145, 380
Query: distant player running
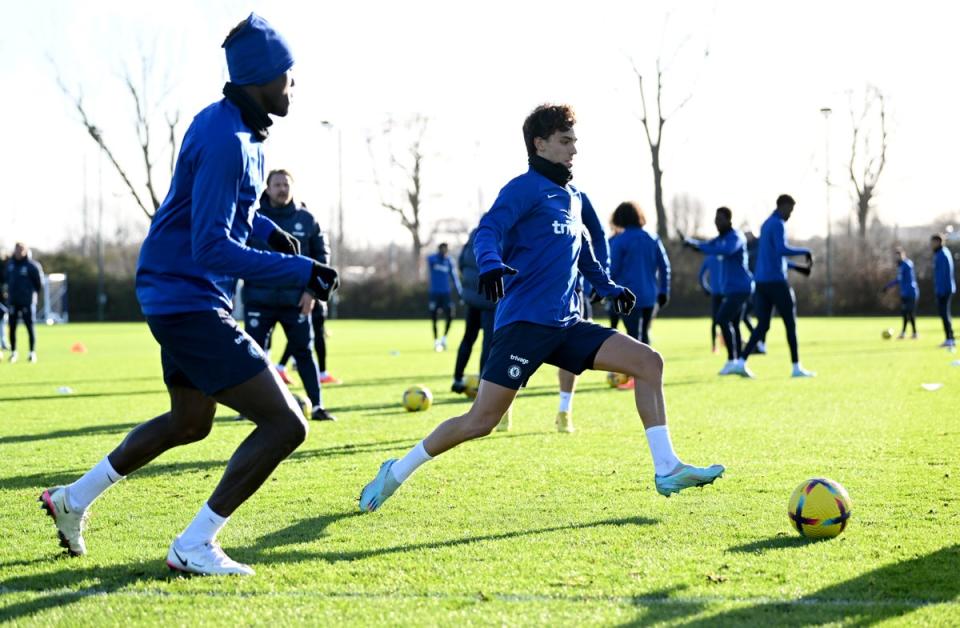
442, 271
736, 283
187, 272
909, 291
944, 286
772, 288
530, 246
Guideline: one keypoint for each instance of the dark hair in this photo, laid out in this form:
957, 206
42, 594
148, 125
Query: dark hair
277, 172
938, 237
546, 120
784, 200
233, 31
726, 212
628, 214
443, 245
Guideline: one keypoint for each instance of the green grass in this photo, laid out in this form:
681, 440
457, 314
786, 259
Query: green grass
526, 528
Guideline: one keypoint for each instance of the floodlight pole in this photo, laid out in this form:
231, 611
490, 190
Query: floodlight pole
338, 239
826, 111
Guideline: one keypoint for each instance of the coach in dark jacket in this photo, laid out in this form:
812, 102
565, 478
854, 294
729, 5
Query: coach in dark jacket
266, 304
24, 280
479, 315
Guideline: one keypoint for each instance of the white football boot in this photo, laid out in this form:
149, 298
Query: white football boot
207, 559
70, 523
799, 371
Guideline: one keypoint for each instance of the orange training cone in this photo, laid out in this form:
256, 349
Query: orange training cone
78, 347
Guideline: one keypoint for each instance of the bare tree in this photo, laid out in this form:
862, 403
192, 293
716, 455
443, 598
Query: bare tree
406, 199
686, 213
653, 128
866, 158
144, 116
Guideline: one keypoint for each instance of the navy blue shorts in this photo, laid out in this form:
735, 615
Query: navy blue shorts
440, 302
205, 350
519, 349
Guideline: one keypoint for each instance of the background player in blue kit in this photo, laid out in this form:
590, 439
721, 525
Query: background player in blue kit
736, 282
944, 286
772, 288
24, 279
442, 271
530, 247
709, 280
639, 262
186, 275
909, 291
268, 303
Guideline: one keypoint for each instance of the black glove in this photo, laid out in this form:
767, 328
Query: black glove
595, 296
690, 245
809, 259
623, 303
282, 242
803, 270
662, 300
323, 281
490, 283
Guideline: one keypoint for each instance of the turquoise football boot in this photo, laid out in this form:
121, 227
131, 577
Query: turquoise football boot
685, 476
383, 486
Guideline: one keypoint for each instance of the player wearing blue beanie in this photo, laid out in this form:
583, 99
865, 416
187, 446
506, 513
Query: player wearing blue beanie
189, 264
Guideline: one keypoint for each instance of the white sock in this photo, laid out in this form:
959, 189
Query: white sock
664, 458
88, 488
323, 374
566, 401
203, 528
403, 468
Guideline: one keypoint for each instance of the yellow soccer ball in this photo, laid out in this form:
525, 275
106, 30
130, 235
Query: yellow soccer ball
887, 334
616, 379
819, 508
472, 383
417, 398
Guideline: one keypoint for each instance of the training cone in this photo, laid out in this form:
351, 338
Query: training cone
78, 347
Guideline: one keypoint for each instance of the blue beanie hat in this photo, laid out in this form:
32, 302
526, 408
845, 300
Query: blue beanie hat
256, 53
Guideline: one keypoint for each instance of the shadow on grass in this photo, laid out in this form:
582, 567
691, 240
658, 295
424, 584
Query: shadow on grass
781, 541
891, 591
124, 393
88, 430
74, 382
315, 527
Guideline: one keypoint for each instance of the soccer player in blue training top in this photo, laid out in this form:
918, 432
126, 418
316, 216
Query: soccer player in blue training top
639, 262
709, 280
909, 291
736, 283
267, 303
530, 246
442, 272
944, 286
24, 282
187, 272
772, 289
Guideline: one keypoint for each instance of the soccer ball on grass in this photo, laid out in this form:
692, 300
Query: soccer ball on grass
472, 386
616, 379
819, 508
417, 398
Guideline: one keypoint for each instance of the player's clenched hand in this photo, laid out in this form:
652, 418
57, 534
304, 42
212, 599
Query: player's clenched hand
623, 303
282, 242
490, 283
662, 299
323, 281
306, 303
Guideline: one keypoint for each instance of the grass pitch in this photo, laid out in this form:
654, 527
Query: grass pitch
526, 528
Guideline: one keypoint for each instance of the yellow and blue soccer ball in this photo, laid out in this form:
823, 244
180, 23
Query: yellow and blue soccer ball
471, 386
417, 398
887, 334
616, 379
819, 508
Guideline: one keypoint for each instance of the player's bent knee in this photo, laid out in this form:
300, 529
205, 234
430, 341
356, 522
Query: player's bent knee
293, 431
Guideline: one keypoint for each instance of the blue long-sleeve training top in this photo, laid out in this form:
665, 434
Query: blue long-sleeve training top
639, 262
944, 283
709, 275
906, 279
731, 248
772, 250
536, 227
196, 247
442, 272
598, 236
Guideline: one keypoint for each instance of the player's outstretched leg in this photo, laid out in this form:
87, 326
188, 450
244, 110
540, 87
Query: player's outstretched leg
623, 354
489, 407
